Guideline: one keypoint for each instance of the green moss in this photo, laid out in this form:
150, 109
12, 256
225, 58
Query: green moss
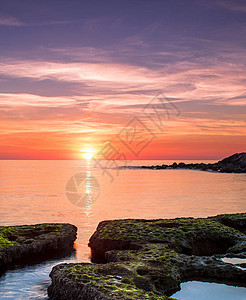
5, 242
114, 286
239, 216
149, 254
162, 230
9, 234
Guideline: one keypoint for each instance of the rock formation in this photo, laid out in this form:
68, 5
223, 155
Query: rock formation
34, 243
235, 163
148, 259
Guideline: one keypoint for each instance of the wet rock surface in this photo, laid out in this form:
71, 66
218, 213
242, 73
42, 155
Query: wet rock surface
148, 259
27, 244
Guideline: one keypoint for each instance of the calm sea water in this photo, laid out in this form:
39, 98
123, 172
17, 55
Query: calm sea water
45, 191
193, 290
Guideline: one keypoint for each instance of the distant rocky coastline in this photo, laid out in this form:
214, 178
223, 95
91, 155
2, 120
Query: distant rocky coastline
20, 245
137, 259
235, 163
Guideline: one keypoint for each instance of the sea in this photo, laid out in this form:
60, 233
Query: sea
85, 192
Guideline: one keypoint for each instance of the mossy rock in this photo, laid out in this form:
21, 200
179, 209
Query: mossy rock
33, 243
186, 235
237, 221
105, 282
148, 259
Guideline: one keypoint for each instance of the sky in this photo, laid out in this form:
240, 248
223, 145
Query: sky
138, 79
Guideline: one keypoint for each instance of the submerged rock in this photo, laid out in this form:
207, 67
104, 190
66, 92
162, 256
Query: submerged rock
148, 259
33, 243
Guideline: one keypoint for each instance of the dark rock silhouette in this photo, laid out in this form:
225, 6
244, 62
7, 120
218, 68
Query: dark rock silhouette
235, 163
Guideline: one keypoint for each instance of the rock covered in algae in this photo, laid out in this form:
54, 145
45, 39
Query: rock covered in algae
97, 282
148, 259
34, 243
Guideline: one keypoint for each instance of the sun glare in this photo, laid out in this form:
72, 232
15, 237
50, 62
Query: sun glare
88, 153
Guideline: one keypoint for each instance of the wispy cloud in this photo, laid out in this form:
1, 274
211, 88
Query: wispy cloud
77, 72
7, 99
84, 79
121, 84
6, 20
235, 5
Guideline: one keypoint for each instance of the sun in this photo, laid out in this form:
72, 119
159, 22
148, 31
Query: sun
88, 153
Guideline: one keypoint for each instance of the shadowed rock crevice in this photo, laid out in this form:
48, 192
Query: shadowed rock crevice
206, 246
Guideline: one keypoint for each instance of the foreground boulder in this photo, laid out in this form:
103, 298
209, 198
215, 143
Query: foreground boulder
148, 259
34, 243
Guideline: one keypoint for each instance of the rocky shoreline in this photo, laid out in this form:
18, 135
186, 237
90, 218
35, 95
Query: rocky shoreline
235, 163
148, 259
34, 243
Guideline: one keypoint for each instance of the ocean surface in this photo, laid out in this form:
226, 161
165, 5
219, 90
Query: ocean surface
84, 193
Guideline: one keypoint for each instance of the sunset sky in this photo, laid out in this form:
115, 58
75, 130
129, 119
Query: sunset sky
76, 75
